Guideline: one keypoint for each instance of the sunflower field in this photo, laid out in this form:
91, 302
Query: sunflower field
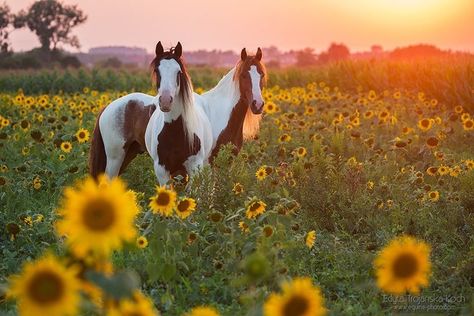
349, 202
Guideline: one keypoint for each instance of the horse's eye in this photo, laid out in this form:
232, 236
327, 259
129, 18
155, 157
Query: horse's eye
177, 78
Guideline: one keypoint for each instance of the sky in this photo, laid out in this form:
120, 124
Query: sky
287, 24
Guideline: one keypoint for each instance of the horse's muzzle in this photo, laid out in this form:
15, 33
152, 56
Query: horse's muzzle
165, 102
257, 108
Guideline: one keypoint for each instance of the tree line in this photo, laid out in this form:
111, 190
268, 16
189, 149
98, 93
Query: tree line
52, 21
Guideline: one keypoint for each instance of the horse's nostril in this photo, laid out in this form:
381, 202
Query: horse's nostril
171, 99
254, 102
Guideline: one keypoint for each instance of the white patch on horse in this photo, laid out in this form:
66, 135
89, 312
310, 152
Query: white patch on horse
162, 175
256, 90
219, 102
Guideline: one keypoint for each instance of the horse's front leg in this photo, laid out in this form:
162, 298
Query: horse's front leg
162, 175
192, 165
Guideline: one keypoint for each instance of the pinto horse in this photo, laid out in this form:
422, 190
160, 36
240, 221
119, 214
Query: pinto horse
180, 143
234, 105
179, 138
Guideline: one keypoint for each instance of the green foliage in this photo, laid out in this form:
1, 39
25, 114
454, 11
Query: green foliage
353, 186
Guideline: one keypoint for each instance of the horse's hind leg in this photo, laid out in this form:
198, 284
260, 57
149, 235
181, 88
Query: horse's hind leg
115, 156
113, 166
130, 153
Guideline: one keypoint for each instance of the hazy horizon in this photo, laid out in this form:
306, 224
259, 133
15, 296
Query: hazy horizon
233, 24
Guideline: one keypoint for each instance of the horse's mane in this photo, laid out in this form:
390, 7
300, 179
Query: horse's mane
185, 92
251, 121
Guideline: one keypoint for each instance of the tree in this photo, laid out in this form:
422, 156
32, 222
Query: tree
52, 21
305, 57
5, 20
335, 52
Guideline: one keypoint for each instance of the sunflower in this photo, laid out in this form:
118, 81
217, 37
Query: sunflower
433, 196
284, 138
138, 304
432, 171
82, 135
267, 231
185, 207
66, 147
443, 170
439, 155
300, 152
163, 202
458, 109
299, 298
202, 311
261, 173
244, 227
46, 287
255, 208
310, 239
97, 217
368, 114
372, 95
432, 142
468, 125
403, 266
238, 188
270, 107
142, 242
309, 110
425, 124
469, 164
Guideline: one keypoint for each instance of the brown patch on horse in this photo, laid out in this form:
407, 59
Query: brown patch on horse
97, 157
233, 132
136, 118
172, 147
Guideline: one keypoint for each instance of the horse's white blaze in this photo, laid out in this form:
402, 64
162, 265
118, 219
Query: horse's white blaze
256, 91
169, 69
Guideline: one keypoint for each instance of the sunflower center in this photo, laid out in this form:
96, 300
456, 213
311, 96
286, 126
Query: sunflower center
99, 215
296, 306
405, 266
254, 207
163, 199
82, 135
46, 287
183, 206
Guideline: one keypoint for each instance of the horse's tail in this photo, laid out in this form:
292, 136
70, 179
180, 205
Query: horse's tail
97, 156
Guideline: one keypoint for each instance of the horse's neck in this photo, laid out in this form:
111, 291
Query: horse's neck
176, 111
220, 101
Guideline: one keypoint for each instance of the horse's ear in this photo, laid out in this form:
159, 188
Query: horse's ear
159, 49
258, 56
243, 54
178, 50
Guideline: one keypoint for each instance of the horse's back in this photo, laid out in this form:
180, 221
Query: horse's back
117, 122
